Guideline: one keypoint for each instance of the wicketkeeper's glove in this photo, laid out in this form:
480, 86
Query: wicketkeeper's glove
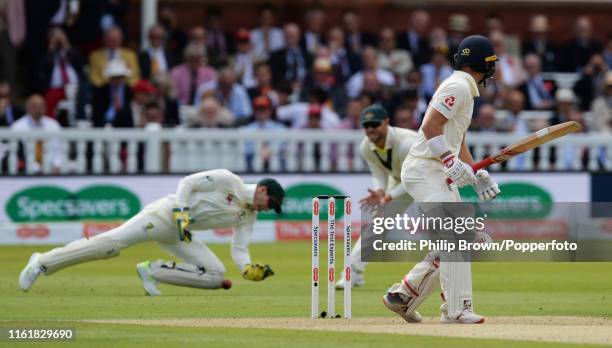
182, 220
256, 272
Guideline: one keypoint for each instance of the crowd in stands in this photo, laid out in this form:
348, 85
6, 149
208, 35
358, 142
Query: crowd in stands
314, 74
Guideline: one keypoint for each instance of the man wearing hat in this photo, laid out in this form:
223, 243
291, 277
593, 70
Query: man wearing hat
203, 201
384, 149
111, 101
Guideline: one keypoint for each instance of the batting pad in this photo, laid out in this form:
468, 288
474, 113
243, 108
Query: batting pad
185, 274
82, 250
456, 280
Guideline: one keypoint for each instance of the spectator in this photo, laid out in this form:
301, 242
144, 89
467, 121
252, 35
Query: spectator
590, 83
263, 85
458, 27
61, 75
198, 36
435, 72
485, 122
9, 112
415, 39
602, 108
266, 38
144, 93
187, 77
355, 84
540, 44
229, 93
219, 43
356, 39
344, 62
263, 120
12, 34
153, 116
211, 114
299, 115
607, 53
156, 59
176, 39
314, 22
352, 120
390, 58
514, 122
291, 63
166, 100
438, 38
322, 78
580, 50
538, 92
510, 71
495, 23
245, 59
402, 118
567, 110
411, 103
111, 101
41, 152
99, 59
567, 106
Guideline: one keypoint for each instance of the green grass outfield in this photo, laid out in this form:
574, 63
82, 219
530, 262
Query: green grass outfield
110, 289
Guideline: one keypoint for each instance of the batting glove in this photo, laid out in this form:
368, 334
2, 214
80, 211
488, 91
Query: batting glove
486, 188
458, 171
182, 220
256, 272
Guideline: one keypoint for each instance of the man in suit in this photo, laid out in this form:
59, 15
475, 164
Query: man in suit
155, 59
111, 101
219, 42
314, 24
540, 44
100, 58
539, 94
356, 39
9, 112
415, 39
344, 62
579, 51
291, 63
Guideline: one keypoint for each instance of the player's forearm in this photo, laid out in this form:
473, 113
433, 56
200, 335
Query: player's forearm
465, 155
240, 255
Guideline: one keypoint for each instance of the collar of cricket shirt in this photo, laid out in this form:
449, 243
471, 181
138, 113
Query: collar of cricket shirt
247, 194
388, 143
471, 82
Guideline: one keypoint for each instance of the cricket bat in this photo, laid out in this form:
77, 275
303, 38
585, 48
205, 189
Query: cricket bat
531, 141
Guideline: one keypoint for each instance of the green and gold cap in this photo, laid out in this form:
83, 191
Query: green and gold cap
373, 113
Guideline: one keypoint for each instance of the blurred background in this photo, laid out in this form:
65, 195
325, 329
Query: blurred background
171, 87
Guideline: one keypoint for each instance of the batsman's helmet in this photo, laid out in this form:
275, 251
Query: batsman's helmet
477, 52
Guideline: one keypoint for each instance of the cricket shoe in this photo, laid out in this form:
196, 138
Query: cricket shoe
357, 279
145, 272
398, 303
30, 273
467, 316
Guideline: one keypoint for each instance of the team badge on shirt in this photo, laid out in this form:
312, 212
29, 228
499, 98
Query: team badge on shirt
449, 102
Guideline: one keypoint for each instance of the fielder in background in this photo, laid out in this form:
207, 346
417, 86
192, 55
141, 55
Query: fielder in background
440, 153
384, 149
203, 201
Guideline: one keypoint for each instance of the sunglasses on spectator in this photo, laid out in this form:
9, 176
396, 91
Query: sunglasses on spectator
371, 125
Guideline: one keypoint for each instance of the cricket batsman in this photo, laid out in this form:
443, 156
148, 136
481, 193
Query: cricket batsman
203, 201
384, 149
440, 153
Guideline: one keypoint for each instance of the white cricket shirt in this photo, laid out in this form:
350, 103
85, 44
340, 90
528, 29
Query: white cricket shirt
455, 100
